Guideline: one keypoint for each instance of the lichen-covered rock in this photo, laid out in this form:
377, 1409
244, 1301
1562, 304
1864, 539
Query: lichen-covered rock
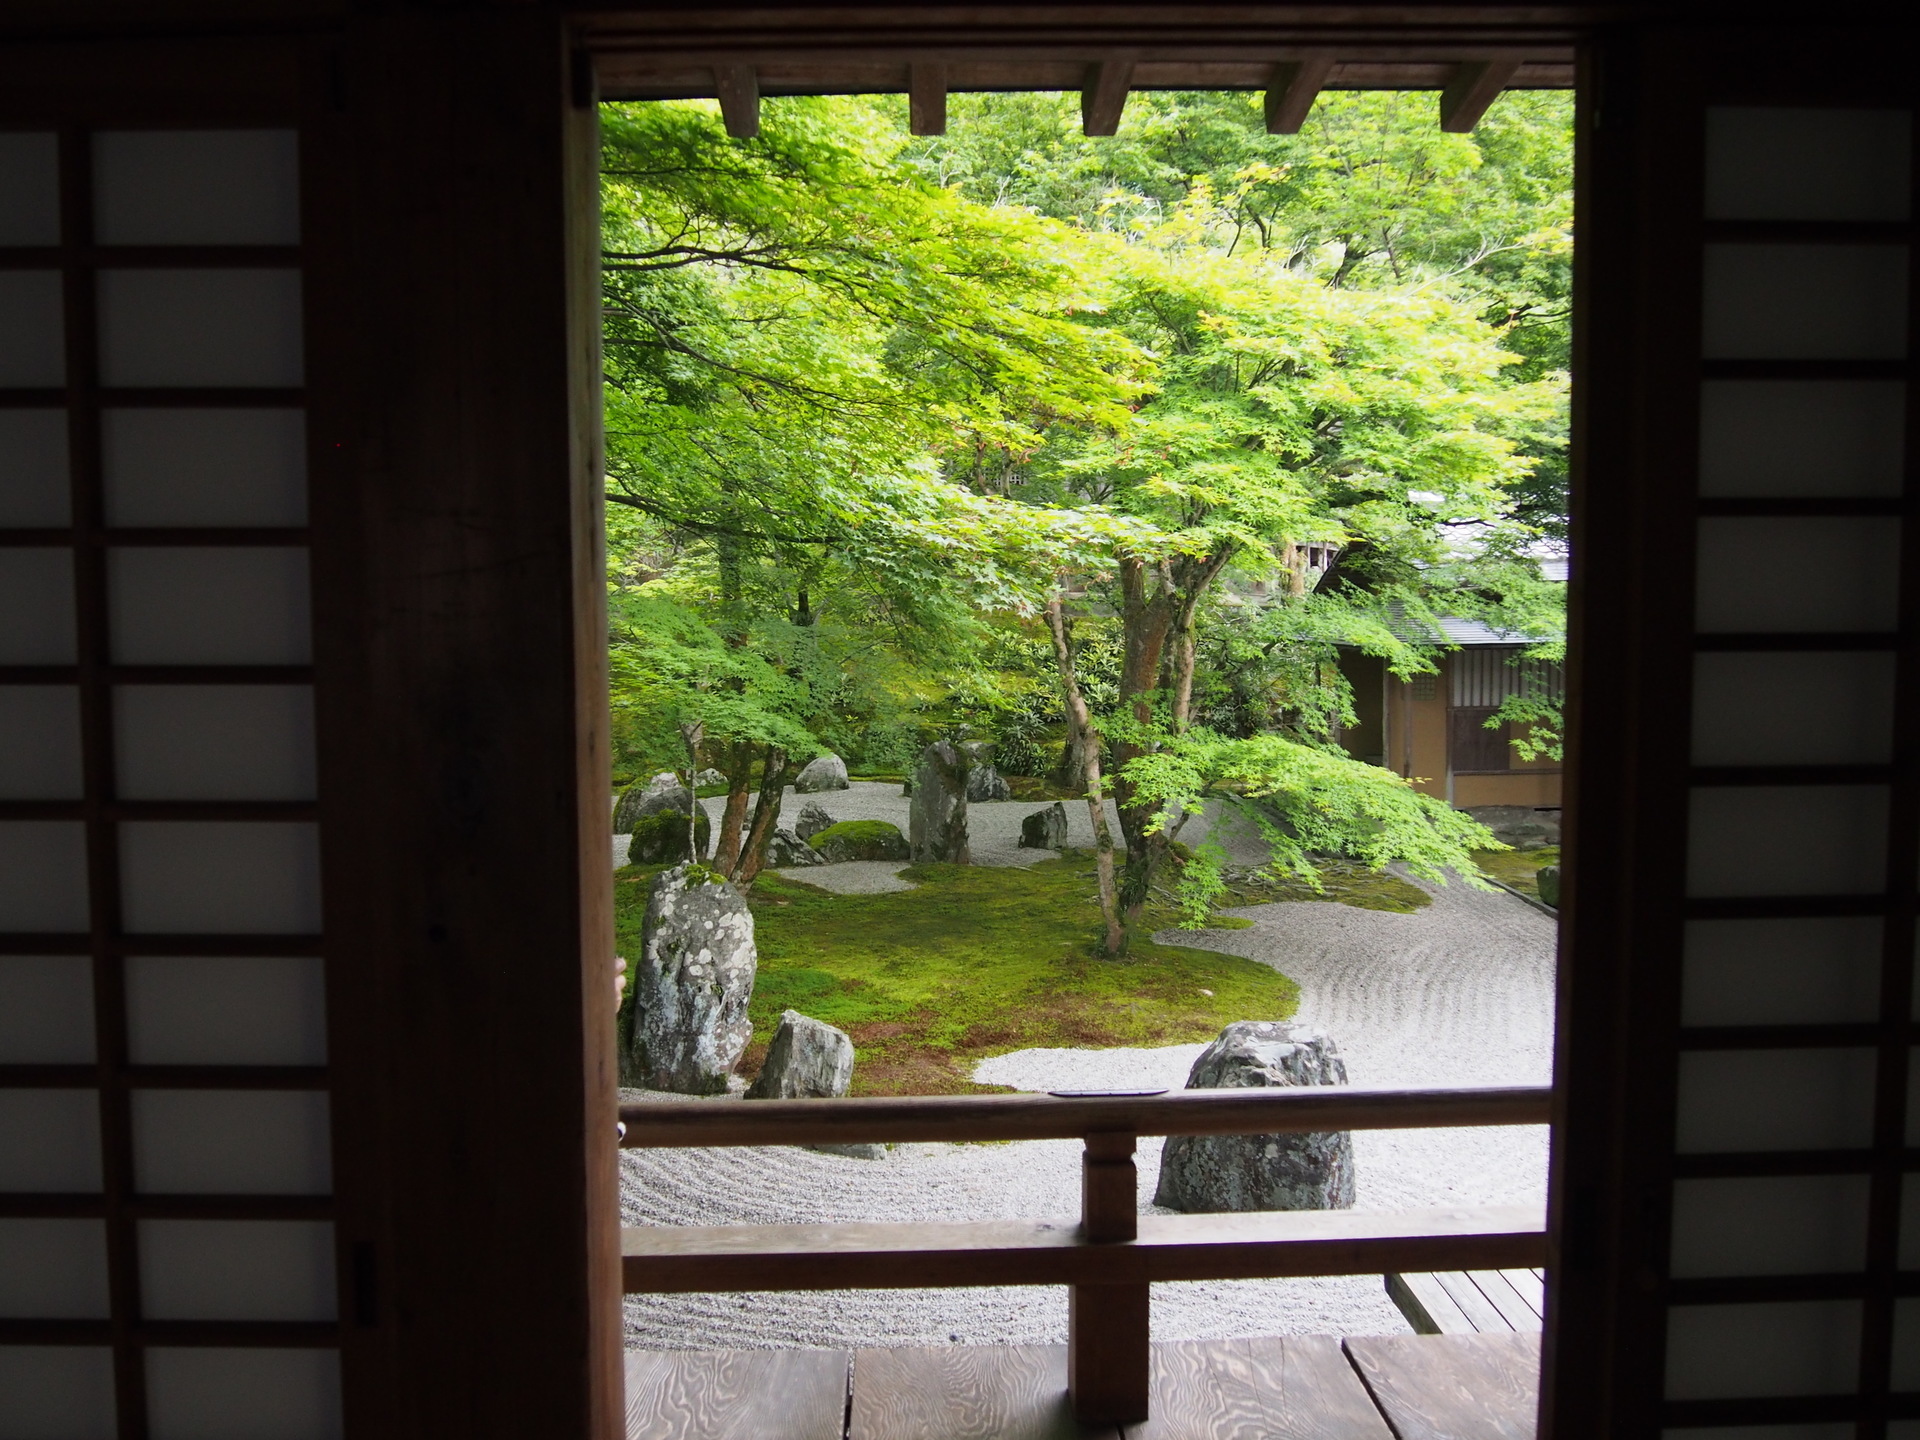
937, 821
639, 800
661, 838
823, 772
860, 840
1547, 879
1212, 1173
808, 1060
1045, 829
813, 819
786, 850
690, 990
709, 777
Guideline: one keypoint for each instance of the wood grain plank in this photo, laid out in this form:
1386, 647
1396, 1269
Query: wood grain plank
1467, 1296
1502, 1295
966, 1392
736, 1394
1453, 1387
1428, 1308
1311, 1392
1203, 1390
1531, 1288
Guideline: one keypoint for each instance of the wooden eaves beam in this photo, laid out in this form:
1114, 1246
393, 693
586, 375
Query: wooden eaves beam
1292, 91
927, 98
1105, 96
1475, 86
738, 87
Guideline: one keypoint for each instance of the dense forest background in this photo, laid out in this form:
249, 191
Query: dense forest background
1093, 449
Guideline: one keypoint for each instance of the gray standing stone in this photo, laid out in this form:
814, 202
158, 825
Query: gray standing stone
1547, 879
823, 772
813, 819
786, 850
808, 1060
1212, 1173
985, 783
937, 822
663, 792
1045, 829
691, 988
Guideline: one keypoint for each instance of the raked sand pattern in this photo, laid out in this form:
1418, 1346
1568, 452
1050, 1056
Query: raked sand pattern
1460, 993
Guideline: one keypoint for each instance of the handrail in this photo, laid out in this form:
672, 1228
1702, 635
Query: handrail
902, 1118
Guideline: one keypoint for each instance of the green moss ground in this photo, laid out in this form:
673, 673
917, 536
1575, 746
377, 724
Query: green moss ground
977, 961
1345, 884
1518, 868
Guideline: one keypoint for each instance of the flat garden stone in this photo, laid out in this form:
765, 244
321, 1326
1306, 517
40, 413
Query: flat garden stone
688, 1023
1214, 1173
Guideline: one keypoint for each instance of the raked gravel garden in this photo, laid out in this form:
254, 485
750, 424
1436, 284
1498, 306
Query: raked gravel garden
1456, 992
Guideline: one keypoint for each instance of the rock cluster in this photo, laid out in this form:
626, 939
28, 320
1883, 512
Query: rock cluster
937, 822
860, 840
688, 1022
823, 772
1212, 1173
1045, 829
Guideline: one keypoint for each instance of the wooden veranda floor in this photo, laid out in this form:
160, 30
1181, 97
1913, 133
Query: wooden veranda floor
1403, 1387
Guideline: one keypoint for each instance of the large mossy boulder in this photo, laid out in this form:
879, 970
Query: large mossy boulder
860, 840
688, 1022
1045, 829
937, 822
649, 797
823, 772
1214, 1173
661, 838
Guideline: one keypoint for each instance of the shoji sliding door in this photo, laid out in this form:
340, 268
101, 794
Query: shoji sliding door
306, 1098
1739, 1022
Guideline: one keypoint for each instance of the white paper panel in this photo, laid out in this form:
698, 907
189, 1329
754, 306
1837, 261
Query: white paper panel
1792, 708
39, 742
56, 1392
226, 1010
196, 187
209, 606
1906, 1344
43, 875
46, 1010
29, 188
1758, 574
1774, 1100
1787, 840
205, 467
50, 1141
1910, 1223
1734, 1351
36, 606
1802, 438
1769, 1225
231, 1142
53, 1269
1781, 972
214, 742
33, 469
33, 350
1804, 302
1807, 164
208, 1394
200, 327
237, 1269
220, 877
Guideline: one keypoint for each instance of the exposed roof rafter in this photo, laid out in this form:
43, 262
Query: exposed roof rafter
1295, 86
927, 98
1475, 86
1105, 96
738, 88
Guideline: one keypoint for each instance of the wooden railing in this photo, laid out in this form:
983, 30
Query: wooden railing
1111, 1254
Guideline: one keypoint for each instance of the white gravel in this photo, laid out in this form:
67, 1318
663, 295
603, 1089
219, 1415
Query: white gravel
1458, 993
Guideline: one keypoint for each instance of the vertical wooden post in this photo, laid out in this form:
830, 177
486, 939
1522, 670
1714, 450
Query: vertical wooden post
1107, 1354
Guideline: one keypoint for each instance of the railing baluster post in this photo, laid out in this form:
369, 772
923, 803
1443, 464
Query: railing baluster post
1108, 1359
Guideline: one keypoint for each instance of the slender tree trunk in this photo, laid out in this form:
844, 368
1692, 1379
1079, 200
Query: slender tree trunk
733, 819
691, 734
766, 815
1086, 740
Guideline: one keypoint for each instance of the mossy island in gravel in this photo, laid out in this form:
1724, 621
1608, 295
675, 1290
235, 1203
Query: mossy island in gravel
860, 840
977, 961
661, 838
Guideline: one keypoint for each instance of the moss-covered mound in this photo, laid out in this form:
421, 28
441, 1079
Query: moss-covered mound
661, 838
977, 961
860, 840
1518, 868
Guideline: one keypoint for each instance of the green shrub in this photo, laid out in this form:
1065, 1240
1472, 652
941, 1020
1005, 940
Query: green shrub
661, 838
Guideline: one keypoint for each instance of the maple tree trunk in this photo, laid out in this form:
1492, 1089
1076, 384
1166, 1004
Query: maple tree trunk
1086, 741
733, 819
766, 815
